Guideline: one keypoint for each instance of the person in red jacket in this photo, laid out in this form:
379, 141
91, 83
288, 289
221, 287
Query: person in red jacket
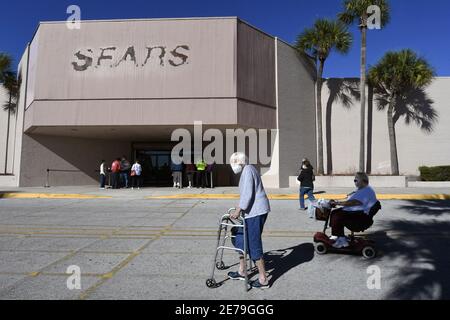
115, 169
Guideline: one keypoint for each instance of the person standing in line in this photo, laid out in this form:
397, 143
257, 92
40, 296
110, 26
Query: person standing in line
136, 171
306, 179
201, 177
125, 167
103, 170
210, 174
115, 170
190, 172
177, 174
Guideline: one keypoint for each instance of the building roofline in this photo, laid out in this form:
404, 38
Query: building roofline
255, 28
143, 19
267, 34
128, 20
165, 19
181, 18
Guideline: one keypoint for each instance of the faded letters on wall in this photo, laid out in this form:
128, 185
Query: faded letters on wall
113, 56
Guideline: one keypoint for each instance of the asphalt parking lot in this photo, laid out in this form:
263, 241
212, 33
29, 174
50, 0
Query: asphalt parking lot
137, 248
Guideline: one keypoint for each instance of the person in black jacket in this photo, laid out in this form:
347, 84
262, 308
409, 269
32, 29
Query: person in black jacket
306, 179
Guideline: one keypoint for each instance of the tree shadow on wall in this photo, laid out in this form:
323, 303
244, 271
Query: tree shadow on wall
345, 91
415, 106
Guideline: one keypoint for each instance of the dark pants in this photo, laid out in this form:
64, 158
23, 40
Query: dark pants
356, 221
201, 179
209, 179
102, 180
115, 180
124, 178
191, 178
136, 181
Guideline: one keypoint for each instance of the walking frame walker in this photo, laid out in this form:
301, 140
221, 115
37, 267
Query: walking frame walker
226, 224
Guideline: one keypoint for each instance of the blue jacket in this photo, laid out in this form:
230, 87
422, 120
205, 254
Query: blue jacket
176, 167
253, 199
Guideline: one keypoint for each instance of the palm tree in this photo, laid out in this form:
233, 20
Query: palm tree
356, 10
5, 65
318, 42
399, 80
11, 84
8, 79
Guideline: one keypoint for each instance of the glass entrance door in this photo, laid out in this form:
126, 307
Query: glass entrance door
155, 167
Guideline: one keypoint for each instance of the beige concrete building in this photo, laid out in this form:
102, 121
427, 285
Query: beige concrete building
121, 87
416, 147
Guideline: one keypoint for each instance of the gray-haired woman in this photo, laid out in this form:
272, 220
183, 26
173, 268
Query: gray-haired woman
253, 202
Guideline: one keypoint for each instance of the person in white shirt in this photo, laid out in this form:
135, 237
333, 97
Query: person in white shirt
103, 170
136, 171
354, 213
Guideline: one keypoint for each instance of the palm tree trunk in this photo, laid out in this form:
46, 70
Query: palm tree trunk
392, 138
320, 170
369, 130
363, 98
7, 134
329, 110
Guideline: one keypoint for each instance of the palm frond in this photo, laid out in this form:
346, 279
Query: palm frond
325, 36
5, 65
356, 10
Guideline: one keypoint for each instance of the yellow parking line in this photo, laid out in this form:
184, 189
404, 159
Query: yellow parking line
295, 196
414, 197
12, 195
196, 196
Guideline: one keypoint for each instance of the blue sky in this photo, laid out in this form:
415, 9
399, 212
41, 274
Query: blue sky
421, 25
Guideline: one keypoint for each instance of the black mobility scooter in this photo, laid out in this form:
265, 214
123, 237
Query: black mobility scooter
357, 245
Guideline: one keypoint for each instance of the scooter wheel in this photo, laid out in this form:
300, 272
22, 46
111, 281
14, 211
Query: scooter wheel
369, 252
220, 265
320, 248
211, 283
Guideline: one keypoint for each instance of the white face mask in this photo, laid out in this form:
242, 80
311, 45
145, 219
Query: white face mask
304, 166
237, 168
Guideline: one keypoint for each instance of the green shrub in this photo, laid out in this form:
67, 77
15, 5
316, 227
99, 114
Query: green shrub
441, 173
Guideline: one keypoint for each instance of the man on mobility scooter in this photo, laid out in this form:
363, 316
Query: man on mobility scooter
356, 214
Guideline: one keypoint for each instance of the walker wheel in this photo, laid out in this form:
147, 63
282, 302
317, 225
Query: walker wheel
220, 265
369, 252
211, 283
320, 248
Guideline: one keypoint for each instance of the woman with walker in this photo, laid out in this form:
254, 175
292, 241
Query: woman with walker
254, 207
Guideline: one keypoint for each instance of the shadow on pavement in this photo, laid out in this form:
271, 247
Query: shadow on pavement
422, 250
427, 207
278, 262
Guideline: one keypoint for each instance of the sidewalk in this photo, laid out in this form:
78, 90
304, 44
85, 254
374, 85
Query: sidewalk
93, 192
